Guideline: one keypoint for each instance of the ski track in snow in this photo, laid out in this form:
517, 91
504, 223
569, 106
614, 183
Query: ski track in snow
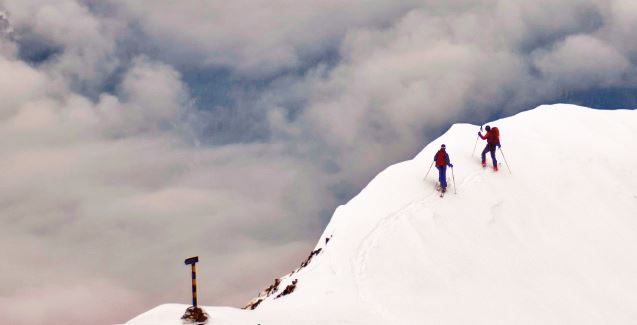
365, 248
496, 212
371, 241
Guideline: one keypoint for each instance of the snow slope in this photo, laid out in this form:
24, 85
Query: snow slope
552, 243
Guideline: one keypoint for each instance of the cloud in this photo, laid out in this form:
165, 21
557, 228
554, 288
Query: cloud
18, 83
82, 45
255, 38
581, 61
74, 303
150, 96
113, 174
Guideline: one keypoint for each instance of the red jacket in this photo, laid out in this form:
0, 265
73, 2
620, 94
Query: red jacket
442, 158
492, 136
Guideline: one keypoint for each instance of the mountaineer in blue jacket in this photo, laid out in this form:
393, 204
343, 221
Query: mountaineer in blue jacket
442, 161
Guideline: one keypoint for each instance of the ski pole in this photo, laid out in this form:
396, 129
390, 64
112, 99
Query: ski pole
455, 191
473, 153
505, 161
432, 163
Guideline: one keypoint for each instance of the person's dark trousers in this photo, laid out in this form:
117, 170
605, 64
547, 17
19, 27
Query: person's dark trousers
489, 148
442, 176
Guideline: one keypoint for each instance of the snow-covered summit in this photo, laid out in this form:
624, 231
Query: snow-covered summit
552, 243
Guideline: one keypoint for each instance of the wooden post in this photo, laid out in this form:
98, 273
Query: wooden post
194, 314
194, 285
192, 261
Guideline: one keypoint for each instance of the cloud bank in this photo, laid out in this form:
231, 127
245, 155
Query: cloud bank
115, 169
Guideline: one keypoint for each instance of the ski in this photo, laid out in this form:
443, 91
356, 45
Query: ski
439, 189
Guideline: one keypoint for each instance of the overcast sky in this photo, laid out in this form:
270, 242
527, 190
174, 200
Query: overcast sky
137, 133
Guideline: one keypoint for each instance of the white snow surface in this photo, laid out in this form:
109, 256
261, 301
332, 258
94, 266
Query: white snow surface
555, 242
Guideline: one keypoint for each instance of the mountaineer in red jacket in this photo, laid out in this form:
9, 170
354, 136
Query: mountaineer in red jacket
493, 140
442, 161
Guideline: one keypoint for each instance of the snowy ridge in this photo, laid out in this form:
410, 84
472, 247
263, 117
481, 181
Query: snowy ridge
551, 243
